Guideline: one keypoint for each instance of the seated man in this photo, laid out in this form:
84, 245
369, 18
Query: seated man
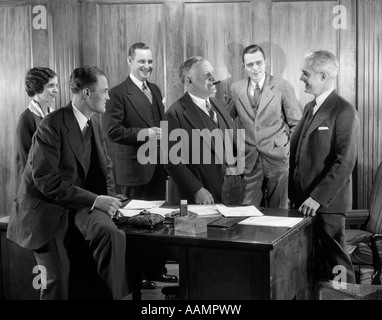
67, 186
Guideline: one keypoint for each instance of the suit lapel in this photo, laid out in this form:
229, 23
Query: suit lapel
228, 122
73, 134
138, 100
192, 114
323, 112
98, 143
243, 97
267, 94
157, 98
219, 107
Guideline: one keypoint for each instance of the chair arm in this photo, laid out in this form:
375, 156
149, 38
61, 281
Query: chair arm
357, 218
376, 276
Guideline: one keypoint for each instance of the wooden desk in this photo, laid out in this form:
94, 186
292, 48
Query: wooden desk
241, 262
16, 266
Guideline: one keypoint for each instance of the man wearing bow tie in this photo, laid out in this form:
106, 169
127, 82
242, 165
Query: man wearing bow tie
324, 150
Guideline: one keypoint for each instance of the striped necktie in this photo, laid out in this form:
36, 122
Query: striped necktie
211, 111
147, 92
256, 94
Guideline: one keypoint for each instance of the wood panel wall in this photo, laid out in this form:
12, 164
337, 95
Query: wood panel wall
99, 32
369, 100
21, 48
15, 59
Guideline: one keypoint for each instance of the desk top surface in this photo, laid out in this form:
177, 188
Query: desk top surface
243, 236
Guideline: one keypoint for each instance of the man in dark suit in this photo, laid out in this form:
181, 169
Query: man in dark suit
136, 105
323, 155
266, 107
201, 174
67, 186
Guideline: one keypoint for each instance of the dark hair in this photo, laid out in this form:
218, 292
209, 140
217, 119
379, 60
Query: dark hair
36, 78
138, 45
84, 77
252, 49
186, 66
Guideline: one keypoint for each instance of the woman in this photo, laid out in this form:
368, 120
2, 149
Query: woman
42, 85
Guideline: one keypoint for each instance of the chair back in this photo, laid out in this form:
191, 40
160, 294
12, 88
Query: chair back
374, 225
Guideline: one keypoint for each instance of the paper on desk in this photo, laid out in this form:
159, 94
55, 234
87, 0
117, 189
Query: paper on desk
240, 211
203, 209
161, 211
271, 221
142, 204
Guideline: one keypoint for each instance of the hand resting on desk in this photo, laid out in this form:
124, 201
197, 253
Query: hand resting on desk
203, 196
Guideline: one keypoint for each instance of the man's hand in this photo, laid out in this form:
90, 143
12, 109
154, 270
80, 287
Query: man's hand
155, 132
203, 196
107, 204
309, 207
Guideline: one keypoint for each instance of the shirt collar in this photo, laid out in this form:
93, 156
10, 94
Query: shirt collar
36, 109
198, 101
320, 99
137, 82
81, 119
261, 82
201, 103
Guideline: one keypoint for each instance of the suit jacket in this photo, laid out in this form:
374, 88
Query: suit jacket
26, 127
322, 169
191, 176
54, 178
126, 115
268, 132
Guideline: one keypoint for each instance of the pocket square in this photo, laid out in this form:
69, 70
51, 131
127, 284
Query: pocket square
323, 128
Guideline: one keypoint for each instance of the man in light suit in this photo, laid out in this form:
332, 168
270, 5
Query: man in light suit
199, 181
67, 187
136, 105
323, 156
266, 107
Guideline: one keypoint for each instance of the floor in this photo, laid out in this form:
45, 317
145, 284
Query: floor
156, 294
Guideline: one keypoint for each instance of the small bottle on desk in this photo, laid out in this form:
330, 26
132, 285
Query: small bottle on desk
183, 208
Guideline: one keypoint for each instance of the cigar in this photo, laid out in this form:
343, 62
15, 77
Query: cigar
216, 82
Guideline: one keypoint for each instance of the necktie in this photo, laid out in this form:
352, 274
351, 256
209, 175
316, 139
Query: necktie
256, 94
211, 111
86, 130
147, 92
310, 114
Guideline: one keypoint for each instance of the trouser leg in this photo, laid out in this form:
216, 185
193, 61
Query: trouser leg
330, 231
276, 185
108, 246
253, 193
53, 257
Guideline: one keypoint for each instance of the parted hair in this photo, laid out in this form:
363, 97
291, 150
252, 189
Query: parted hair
138, 45
36, 78
84, 77
252, 49
186, 66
